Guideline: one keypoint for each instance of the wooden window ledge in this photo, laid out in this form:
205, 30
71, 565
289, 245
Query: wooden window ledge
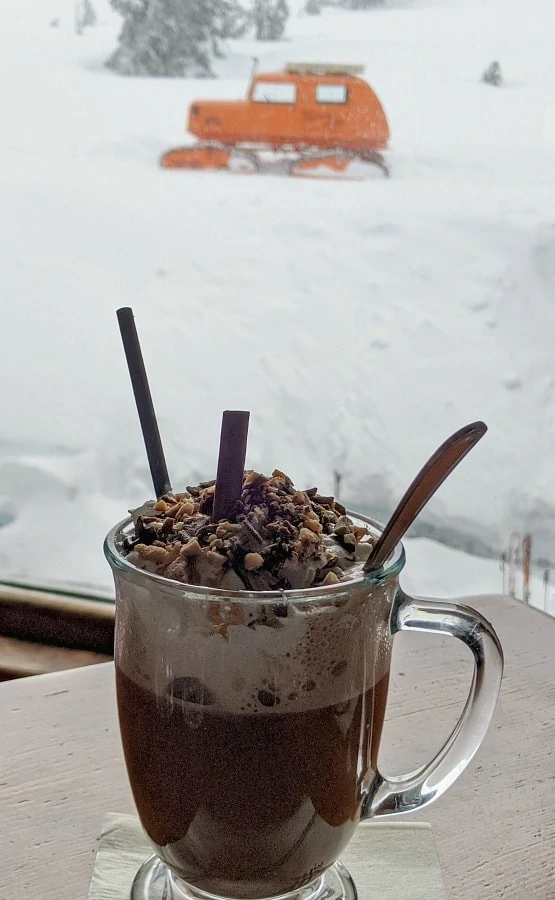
47, 631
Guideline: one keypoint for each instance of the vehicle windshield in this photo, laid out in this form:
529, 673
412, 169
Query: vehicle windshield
351, 235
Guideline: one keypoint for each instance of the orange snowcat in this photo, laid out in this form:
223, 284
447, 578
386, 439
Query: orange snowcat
307, 117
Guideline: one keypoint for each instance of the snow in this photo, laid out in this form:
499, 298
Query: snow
360, 323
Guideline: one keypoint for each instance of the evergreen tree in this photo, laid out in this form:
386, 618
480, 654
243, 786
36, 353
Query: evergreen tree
313, 7
270, 17
229, 19
89, 14
173, 37
492, 75
85, 15
360, 4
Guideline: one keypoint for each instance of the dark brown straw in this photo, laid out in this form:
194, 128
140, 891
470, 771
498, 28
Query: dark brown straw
231, 463
143, 399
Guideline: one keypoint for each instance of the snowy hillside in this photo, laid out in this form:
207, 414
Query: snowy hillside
360, 322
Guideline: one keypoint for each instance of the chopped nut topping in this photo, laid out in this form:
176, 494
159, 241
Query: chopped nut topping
331, 578
193, 548
278, 538
215, 558
305, 534
253, 561
313, 525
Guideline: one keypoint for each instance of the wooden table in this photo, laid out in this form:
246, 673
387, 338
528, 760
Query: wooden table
61, 766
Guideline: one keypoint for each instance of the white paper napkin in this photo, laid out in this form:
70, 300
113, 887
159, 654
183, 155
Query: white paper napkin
387, 861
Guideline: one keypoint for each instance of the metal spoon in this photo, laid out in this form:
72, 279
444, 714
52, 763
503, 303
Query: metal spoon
422, 488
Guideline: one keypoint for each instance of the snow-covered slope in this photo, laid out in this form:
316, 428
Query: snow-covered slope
361, 323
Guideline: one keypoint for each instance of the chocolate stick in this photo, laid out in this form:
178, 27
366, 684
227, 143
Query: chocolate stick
231, 463
143, 399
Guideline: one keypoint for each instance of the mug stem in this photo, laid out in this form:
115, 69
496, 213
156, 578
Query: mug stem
404, 794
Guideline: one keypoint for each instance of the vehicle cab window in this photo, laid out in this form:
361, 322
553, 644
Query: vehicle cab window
331, 93
274, 92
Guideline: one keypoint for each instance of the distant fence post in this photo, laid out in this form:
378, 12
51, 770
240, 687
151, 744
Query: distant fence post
518, 560
503, 571
514, 546
526, 557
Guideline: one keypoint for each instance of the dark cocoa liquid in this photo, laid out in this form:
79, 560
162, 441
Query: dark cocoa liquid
248, 805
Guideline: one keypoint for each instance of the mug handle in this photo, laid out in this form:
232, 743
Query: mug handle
406, 793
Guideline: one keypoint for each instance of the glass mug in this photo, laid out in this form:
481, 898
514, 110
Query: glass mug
251, 725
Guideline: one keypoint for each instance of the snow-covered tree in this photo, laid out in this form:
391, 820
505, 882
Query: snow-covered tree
173, 37
270, 18
360, 4
313, 7
85, 15
492, 75
89, 14
229, 19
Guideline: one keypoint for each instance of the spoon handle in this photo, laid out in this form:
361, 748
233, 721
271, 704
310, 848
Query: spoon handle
422, 488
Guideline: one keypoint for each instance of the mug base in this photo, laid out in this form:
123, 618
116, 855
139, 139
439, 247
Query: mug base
155, 881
